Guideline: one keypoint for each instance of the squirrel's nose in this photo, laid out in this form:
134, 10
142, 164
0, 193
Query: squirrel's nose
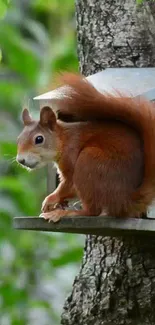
21, 161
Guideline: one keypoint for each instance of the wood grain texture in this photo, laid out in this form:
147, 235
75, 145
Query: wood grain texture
100, 226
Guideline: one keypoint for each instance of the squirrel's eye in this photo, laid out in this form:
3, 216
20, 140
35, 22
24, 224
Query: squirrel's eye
39, 139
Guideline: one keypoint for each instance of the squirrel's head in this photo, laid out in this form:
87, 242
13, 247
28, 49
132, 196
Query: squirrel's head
37, 142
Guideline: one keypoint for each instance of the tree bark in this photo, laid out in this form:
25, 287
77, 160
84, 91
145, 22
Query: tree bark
116, 282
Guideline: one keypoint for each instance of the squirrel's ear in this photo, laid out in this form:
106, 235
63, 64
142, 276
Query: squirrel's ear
26, 117
47, 117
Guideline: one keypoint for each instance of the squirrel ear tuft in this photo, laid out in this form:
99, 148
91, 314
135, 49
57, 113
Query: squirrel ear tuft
47, 117
26, 117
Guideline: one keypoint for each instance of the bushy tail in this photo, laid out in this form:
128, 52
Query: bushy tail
82, 101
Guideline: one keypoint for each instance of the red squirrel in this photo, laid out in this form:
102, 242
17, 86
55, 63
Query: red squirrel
105, 156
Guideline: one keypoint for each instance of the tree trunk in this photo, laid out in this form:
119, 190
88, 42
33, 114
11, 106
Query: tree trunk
116, 282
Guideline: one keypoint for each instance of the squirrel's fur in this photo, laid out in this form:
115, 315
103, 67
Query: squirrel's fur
108, 156
84, 103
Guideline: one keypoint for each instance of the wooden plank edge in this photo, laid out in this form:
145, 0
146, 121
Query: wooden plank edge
101, 226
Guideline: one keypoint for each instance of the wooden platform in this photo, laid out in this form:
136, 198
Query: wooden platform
101, 226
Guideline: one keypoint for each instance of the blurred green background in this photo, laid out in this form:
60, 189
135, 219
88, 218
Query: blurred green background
37, 39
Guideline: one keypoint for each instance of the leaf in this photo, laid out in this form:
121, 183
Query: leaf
69, 256
6, 2
38, 31
3, 9
20, 54
0, 55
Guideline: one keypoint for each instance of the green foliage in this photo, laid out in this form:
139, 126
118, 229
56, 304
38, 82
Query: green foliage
3, 7
37, 39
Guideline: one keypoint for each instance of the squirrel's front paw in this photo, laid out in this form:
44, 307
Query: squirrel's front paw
54, 215
50, 203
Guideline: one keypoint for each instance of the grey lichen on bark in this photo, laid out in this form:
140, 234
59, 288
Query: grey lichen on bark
115, 285
114, 33
116, 281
